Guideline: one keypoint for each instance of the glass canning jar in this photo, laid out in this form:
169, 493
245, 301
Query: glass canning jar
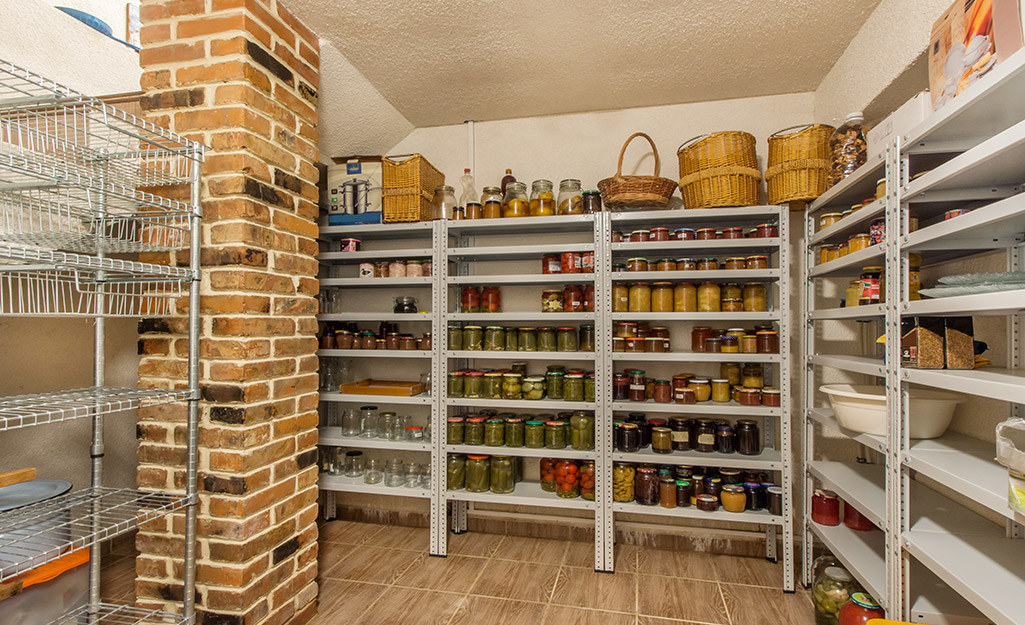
573, 298
551, 300
542, 200
527, 340
646, 486
493, 209
622, 482
620, 297
686, 264
492, 387
663, 393
708, 297
534, 434
567, 479
662, 297
454, 431
534, 387
491, 194
455, 472
502, 480
720, 390
701, 387
491, 299
638, 385
730, 371
730, 290
515, 203
592, 201
848, 147
469, 300
587, 475
473, 210
581, 431
494, 339
640, 297
708, 264
586, 341
494, 432
637, 264
547, 466
573, 387
749, 442
547, 339
768, 341
685, 297
512, 386
661, 440
752, 376
566, 339
571, 201
455, 337
394, 473
473, 338
473, 431
478, 474
514, 432
554, 381
758, 262
555, 434
754, 297
443, 203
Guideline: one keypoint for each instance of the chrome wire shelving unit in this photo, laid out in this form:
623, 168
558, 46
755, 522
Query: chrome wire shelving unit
79, 181
939, 558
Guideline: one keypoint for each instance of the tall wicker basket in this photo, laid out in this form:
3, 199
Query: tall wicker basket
409, 181
798, 163
719, 170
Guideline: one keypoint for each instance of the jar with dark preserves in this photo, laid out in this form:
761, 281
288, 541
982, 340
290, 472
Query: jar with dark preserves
663, 392
684, 493
627, 437
698, 335
682, 392
825, 508
713, 486
638, 385
586, 342
478, 474
646, 486
534, 434
747, 396
592, 202
757, 498
713, 344
659, 234
469, 300
767, 231
683, 234
706, 234
620, 387
491, 299
705, 429
768, 341
732, 233
640, 236
870, 283
749, 442
661, 440
771, 396
707, 503
547, 339
725, 441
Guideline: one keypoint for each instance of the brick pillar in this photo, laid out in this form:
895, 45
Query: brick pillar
241, 76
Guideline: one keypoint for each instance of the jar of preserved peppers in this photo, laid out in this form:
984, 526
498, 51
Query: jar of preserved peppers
623, 476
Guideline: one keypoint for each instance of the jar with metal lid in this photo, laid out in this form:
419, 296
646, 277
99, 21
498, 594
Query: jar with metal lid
515, 203
589, 386
749, 441
494, 339
730, 371
534, 434
478, 474
732, 233
623, 476
662, 297
555, 434
627, 437
708, 264
725, 440
491, 385
551, 300
661, 440
828, 219
573, 387
455, 384
771, 397
571, 201
494, 432
491, 299
768, 342
620, 386
705, 430
870, 285
825, 508
754, 297
858, 242
640, 236
533, 387
581, 431
638, 385
620, 297
713, 344
682, 392
587, 480
512, 386
640, 297
757, 262
665, 264
473, 431
570, 262
573, 298
473, 338
473, 384
730, 290
547, 467
686, 264
491, 194
551, 263
592, 201
752, 376
502, 480
701, 387
554, 382
469, 299
586, 342
454, 431
659, 233
493, 209
708, 297
680, 428
683, 234
733, 498
547, 339
729, 344
637, 264
397, 269
706, 234
455, 337
735, 262
698, 335
406, 342
767, 230
713, 486
720, 390
646, 486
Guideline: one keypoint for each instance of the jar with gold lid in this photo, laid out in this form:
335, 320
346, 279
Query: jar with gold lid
637, 264
736, 262
708, 264
758, 262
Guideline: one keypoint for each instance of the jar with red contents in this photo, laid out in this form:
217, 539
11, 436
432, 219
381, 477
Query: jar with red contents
732, 233
469, 300
587, 262
860, 609
638, 386
589, 297
825, 508
573, 298
659, 234
617, 237
684, 234
551, 263
767, 231
706, 234
567, 479
548, 474
620, 387
570, 262
587, 480
856, 520
640, 236
491, 299
698, 336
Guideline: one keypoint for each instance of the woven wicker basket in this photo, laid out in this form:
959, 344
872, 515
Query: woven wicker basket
627, 192
409, 181
798, 164
719, 170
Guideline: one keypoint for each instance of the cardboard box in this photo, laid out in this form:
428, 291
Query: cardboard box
909, 115
921, 342
354, 187
967, 41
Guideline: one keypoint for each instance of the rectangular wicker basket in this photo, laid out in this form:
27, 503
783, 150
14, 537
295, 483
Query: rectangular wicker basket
409, 181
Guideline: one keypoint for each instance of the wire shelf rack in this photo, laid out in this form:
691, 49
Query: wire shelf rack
42, 282
114, 614
42, 532
22, 411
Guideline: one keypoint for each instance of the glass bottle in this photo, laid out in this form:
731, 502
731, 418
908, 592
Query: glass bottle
444, 202
515, 203
507, 178
571, 200
542, 200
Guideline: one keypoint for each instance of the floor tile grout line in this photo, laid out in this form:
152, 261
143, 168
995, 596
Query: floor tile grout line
726, 608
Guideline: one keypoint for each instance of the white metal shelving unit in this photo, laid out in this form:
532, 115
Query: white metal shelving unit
72, 170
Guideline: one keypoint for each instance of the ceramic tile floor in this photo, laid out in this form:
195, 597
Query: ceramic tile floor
377, 574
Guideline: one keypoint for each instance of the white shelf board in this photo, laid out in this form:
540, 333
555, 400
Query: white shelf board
998, 222
849, 265
373, 353
691, 217
722, 317
537, 317
354, 398
1003, 384
412, 317
967, 466
515, 252
731, 275
523, 404
1000, 303
503, 355
367, 232
524, 279
852, 189
861, 485
758, 517
522, 225
854, 364
850, 312
332, 436
377, 283
692, 357
769, 459
824, 415
343, 484
523, 452
851, 224
705, 408
862, 553
525, 494
348, 258
685, 248
934, 603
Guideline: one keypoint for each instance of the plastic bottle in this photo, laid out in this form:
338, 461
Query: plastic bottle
507, 179
469, 192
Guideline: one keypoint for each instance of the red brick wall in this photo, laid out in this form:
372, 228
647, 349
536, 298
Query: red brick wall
233, 74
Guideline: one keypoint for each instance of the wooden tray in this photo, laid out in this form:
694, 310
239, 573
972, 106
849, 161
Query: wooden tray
383, 387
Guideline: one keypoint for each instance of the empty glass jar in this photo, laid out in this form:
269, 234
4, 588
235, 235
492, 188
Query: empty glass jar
394, 475
374, 473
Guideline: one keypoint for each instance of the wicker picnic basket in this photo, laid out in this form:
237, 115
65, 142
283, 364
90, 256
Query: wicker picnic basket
409, 181
719, 170
619, 191
798, 163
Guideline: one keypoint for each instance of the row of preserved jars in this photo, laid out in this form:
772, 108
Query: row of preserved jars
397, 268
539, 339
685, 434
568, 262
542, 431
706, 297
368, 422
760, 340
702, 487
568, 478
392, 472
558, 383
661, 233
542, 201
488, 299
693, 264
480, 473
743, 385
330, 338
827, 508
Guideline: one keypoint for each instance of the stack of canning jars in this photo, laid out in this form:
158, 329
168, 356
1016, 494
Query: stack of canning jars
568, 262
705, 488
397, 268
761, 339
668, 297
874, 235
693, 264
744, 385
660, 233
349, 336
489, 428
686, 434
557, 383
495, 338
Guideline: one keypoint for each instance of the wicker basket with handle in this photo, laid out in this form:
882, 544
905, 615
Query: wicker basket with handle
719, 170
621, 191
409, 181
798, 163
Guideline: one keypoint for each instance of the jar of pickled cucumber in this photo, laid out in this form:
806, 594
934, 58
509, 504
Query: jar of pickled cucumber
547, 466
514, 432
527, 340
455, 337
554, 381
586, 342
570, 197
567, 479
494, 432
589, 386
494, 339
547, 340
685, 297
622, 482
581, 431
534, 434
534, 387
473, 431
473, 338
515, 203
454, 431
478, 474
473, 384
542, 199
455, 472
455, 383
512, 386
492, 385
566, 339
512, 340
502, 475
708, 297
573, 387
555, 434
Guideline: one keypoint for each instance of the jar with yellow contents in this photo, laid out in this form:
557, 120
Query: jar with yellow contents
662, 297
542, 199
640, 297
685, 297
708, 297
622, 482
754, 297
620, 297
515, 203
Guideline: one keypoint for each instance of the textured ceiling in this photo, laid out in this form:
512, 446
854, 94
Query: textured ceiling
445, 61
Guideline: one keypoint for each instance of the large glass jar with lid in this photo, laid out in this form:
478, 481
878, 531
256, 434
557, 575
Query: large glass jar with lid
708, 297
848, 147
478, 474
492, 385
515, 203
830, 591
581, 431
455, 473
570, 197
494, 339
622, 482
587, 480
754, 297
567, 479
490, 194
542, 199
502, 480
444, 202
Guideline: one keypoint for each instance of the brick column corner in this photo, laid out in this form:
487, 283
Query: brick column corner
241, 76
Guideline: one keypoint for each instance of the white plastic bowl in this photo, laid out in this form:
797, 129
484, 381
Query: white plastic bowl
862, 408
